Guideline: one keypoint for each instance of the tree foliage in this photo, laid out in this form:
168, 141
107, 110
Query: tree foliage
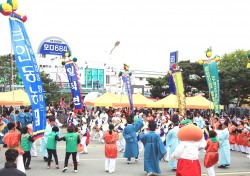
233, 74
234, 77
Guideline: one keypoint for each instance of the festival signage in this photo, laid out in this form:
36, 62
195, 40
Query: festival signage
53, 46
212, 76
126, 77
173, 60
178, 81
75, 85
29, 72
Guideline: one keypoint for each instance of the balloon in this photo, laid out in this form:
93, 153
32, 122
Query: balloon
67, 54
200, 61
5, 9
169, 72
209, 54
248, 56
190, 133
74, 59
248, 65
174, 66
13, 3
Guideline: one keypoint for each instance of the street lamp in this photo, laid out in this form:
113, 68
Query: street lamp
116, 44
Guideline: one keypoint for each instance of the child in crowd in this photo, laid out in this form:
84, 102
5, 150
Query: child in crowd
51, 146
26, 143
110, 139
72, 139
212, 156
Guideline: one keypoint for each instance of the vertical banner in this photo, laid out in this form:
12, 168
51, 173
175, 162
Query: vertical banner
29, 72
212, 77
128, 87
177, 76
173, 60
74, 85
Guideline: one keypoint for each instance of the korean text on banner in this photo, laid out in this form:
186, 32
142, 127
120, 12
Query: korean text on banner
74, 85
173, 60
212, 77
29, 72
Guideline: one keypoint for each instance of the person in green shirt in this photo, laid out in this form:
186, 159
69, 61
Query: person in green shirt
26, 143
51, 146
72, 140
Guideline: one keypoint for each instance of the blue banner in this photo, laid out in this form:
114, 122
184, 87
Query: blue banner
128, 86
173, 60
74, 85
30, 74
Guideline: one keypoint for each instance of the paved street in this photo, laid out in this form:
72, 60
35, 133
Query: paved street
93, 164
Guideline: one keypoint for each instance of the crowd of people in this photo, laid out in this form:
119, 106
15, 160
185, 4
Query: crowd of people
155, 132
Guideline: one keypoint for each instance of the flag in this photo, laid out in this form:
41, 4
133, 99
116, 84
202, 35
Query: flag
29, 72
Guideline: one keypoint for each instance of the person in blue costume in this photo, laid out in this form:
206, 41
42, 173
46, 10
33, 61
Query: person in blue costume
154, 150
172, 141
129, 134
12, 115
29, 117
21, 116
224, 149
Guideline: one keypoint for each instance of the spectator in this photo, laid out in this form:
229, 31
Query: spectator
10, 167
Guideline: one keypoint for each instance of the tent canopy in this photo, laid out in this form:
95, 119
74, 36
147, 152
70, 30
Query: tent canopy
170, 101
107, 99
16, 97
199, 102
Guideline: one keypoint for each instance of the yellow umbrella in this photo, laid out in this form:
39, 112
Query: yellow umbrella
170, 101
16, 97
107, 99
199, 102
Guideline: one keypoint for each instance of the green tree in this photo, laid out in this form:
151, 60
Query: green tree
234, 77
6, 71
158, 87
51, 90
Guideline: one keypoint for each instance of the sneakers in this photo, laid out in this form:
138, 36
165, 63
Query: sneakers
138, 159
48, 167
57, 167
150, 173
128, 162
75, 171
64, 169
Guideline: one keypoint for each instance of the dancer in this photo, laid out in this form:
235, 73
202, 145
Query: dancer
154, 150
12, 140
212, 156
72, 139
129, 134
110, 139
51, 146
26, 143
224, 149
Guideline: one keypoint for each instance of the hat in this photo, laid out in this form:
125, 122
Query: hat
21, 107
185, 122
141, 114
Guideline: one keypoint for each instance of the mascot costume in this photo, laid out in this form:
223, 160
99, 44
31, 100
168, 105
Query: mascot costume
187, 151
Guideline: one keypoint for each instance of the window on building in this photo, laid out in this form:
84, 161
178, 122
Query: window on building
101, 78
107, 79
140, 78
89, 77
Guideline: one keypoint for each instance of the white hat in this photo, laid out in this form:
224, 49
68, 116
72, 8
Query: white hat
141, 114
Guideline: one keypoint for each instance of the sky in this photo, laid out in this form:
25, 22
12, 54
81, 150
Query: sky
148, 30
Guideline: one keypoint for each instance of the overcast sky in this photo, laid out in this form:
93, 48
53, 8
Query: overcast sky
148, 30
